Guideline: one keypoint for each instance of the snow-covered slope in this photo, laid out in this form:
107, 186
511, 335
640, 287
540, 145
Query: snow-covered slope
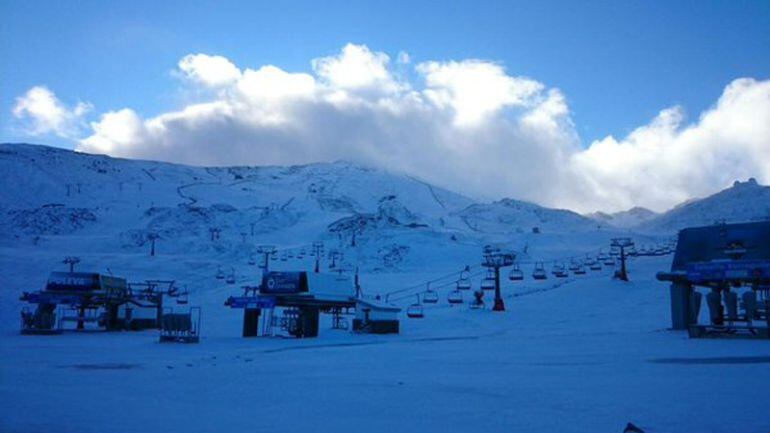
392, 219
743, 202
625, 219
562, 358
513, 216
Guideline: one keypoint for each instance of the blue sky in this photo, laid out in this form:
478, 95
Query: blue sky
617, 64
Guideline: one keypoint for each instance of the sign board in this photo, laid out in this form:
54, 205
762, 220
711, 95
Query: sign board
50, 298
284, 283
251, 302
744, 270
72, 282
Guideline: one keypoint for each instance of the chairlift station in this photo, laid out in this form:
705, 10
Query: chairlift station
728, 262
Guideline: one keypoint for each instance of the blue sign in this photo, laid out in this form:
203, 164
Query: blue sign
729, 270
281, 283
251, 302
50, 298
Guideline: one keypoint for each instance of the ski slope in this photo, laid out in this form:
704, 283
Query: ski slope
585, 354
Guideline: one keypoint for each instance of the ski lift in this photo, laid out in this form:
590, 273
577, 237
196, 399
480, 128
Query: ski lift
183, 297
516, 274
220, 274
252, 261
464, 283
574, 266
273, 257
610, 261
558, 271
488, 282
430, 296
539, 272
290, 255
415, 311
602, 257
580, 270
455, 297
595, 266
231, 277
283, 257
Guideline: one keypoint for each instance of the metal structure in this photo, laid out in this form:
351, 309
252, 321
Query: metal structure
494, 259
620, 245
71, 261
266, 251
104, 301
301, 295
152, 237
318, 248
724, 260
180, 327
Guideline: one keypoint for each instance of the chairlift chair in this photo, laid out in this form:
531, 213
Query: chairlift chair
183, 298
231, 277
430, 296
488, 282
610, 261
516, 274
455, 297
415, 311
559, 271
252, 261
574, 266
220, 274
539, 272
581, 270
596, 266
464, 283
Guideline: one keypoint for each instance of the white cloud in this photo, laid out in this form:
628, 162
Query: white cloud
467, 125
475, 89
357, 68
667, 161
211, 71
41, 113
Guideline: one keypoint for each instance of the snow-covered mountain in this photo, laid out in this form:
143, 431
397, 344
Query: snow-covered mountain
743, 202
391, 219
625, 219
513, 216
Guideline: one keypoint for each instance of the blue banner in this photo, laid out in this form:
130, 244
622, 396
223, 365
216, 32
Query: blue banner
251, 302
729, 270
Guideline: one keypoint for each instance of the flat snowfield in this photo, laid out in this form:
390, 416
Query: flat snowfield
588, 355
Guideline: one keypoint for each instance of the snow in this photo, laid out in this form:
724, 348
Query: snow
577, 355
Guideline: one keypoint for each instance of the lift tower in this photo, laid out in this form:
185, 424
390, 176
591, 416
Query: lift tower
622, 244
495, 259
266, 251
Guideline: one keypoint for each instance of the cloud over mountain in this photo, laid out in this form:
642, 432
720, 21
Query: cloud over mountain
468, 125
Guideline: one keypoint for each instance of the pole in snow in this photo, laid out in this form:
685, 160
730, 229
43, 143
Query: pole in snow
495, 259
152, 237
72, 261
622, 244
